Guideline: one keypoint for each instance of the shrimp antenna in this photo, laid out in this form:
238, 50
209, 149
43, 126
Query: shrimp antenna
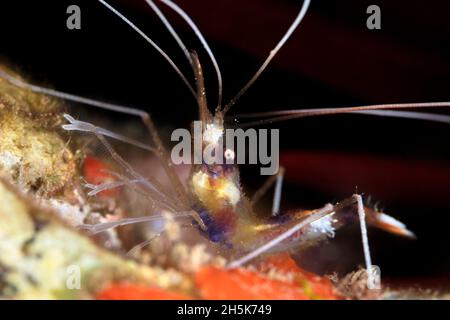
204, 113
171, 30
152, 43
272, 54
200, 36
388, 110
408, 115
72, 97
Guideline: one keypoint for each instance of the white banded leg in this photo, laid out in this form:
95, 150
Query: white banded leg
318, 214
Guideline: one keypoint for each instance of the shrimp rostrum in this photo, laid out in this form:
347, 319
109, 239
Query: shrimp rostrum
213, 198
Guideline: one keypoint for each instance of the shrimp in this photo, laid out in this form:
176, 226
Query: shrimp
214, 198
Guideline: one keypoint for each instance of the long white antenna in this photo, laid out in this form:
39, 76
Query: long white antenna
152, 43
386, 110
72, 97
199, 35
272, 54
408, 115
169, 27
322, 111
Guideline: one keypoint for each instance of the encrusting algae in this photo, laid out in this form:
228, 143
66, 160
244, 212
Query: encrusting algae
41, 257
33, 150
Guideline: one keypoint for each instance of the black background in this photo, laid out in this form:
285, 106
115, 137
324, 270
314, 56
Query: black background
332, 60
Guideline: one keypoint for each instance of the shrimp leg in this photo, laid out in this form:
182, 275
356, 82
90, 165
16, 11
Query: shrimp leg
318, 223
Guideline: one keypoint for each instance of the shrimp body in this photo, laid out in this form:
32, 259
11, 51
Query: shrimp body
231, 221
220, 203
